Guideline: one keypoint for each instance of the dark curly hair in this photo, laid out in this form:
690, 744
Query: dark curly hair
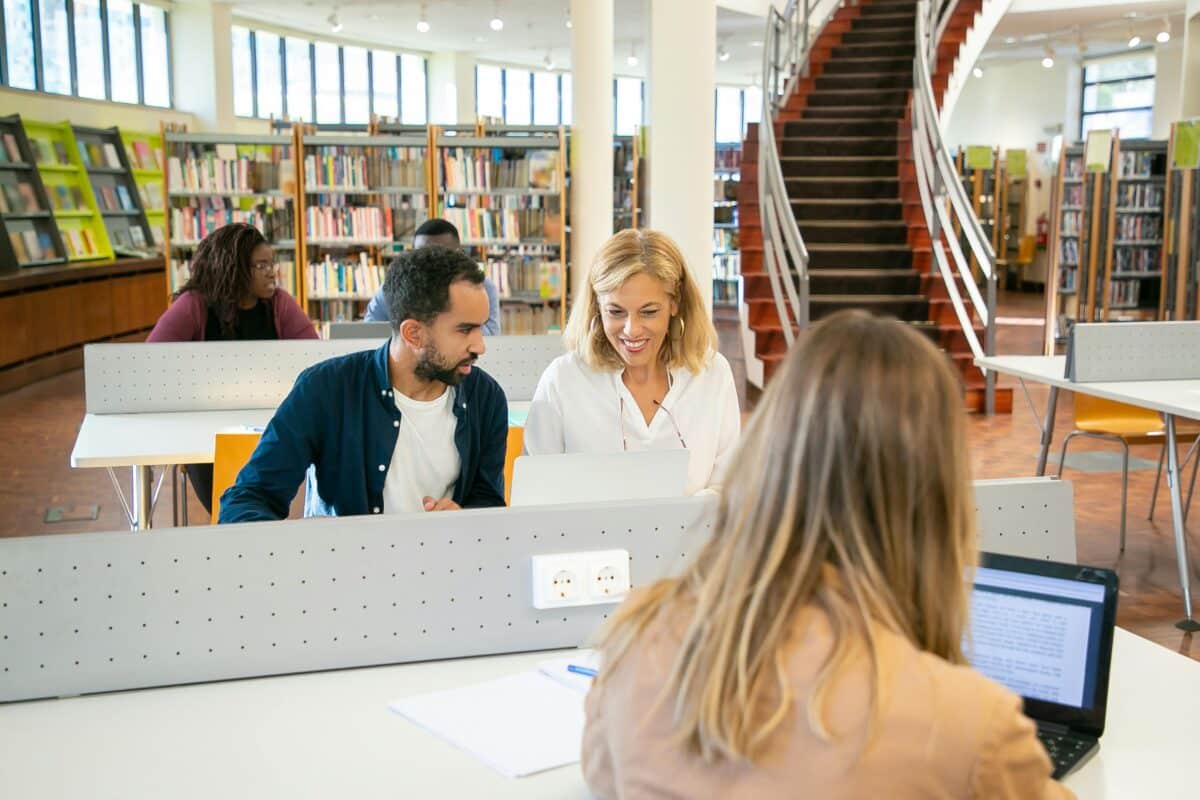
222, 270
418, 282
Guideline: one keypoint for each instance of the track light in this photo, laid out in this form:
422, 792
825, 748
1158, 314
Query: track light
335, 23
1135, 40
496, 24
422, 22
1164, 35
631, 59
548, 61
569, 23
1048, 59
722, 53
977, 72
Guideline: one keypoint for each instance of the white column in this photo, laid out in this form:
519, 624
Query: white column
681, 90
591, 133
202, 56
451, 88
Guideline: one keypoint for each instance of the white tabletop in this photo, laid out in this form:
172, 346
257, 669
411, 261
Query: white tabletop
331, 734
1181, 398
176, 437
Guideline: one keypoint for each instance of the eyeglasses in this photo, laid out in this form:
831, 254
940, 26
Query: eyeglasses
264, 267
670, 416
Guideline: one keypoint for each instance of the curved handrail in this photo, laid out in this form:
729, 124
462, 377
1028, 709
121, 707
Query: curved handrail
944, 200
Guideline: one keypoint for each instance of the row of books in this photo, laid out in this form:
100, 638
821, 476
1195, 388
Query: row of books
1140, 164
32, 245
152, 195
364, 167
1138, 227
127, 236
725, 190
524, 276
143, 156
209, 173
479, 224
727, 266
1073, 195
466, 168
1070, 252
529, 320
1071, 223
115, 198
49, 152
335, 310
79, 242
191, 224
66, 198
18, 198
1137, 259
1073, 167
1067, 278
180, 269
1139, 195
728, 158
351, 224
725, 291
99, 154
354, 278
724, 240
1124, 293
11, 152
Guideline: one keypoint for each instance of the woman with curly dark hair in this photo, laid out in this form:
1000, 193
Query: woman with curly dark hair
231, 295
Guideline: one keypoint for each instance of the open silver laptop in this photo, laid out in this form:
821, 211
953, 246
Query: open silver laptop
597, 477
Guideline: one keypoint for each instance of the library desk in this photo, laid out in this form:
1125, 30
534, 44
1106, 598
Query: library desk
330, 734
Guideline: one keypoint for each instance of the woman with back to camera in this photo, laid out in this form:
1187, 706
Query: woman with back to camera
641, 371
813, 647
232, 294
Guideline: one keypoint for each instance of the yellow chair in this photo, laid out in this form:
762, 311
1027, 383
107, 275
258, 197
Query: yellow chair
1111, 421
230, 453
516, 443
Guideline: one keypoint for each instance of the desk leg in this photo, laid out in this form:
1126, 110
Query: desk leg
1047, 430
142, 493
1181, 553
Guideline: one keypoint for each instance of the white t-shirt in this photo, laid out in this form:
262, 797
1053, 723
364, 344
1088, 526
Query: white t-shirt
425, 462
577, 409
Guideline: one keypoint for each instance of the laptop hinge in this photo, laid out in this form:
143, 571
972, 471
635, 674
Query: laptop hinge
1054, 727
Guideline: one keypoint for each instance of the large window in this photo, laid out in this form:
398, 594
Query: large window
545, 98
628, 106
489, 91
101, 49
518, 99
729, 114
521, 96
323, 81
1118, 92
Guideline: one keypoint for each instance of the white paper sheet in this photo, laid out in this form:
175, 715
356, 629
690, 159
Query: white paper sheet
556, 669
517, 725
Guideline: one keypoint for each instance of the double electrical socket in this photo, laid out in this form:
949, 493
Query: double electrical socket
580, 579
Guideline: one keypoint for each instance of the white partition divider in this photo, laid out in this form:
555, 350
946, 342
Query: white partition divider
227, 376
108, 611
359, 330
1027, 517
1134, 351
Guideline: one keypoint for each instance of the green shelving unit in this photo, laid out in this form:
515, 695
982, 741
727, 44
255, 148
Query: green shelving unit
111, 176
28, 235
76, 212
144, 151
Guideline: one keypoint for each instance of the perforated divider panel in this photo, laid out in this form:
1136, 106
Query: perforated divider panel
360, 330
517, 362
1032, 518
226, 376
107, 611
1135, 351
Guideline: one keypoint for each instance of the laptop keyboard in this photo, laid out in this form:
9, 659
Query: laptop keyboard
1065, 750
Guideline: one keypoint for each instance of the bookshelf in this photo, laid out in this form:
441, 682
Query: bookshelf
980, 169
102, 152
1133, 232
1181, 287
28, 234
506, 195
214, 179
144, 151
1012, 204
76, 213
1070, 212
627, 182
727, 267
362, 198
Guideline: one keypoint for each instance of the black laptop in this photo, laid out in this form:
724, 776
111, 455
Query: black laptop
1045, 630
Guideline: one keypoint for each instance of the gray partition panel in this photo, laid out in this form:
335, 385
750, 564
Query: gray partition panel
107, 611
517, 362
1028, 517
1135, 351
360, 330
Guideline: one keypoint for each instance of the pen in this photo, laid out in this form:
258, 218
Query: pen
578, 670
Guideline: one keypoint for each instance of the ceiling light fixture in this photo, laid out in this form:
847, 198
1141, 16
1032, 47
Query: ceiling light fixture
548, 61
1164, 35
722, 53
1134, 39
422, 22
335, 23
496, 24
1048, 59
569, 17
631, 59
977, 72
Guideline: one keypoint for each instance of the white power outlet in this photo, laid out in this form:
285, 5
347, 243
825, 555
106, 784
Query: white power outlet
580, 579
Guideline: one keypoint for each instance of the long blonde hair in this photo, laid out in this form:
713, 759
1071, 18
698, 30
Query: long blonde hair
850, 492
691, 339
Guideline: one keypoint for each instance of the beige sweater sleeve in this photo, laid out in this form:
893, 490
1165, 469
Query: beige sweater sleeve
596, 757
1013, 764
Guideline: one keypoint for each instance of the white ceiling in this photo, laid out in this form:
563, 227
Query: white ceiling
532, 28
1102, 26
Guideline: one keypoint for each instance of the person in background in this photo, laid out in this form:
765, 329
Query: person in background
409, 426
232, 294
816, 638
642, 371
442, 233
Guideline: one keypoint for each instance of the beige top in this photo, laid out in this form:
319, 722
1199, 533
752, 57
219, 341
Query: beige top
943, 731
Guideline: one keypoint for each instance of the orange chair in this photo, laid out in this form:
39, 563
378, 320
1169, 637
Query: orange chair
230, 453
516, 443
1111, 421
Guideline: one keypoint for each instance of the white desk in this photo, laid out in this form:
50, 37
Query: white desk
1169, 398
143, 441
331, 734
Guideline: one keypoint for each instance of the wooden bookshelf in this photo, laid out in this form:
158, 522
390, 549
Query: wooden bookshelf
727, 262
628, 184
76, 212
1012, 206
215, 179
506, 195
29, 236
361, 198
1181, 275
1134, 263
144, 152
120, 202
1069, 213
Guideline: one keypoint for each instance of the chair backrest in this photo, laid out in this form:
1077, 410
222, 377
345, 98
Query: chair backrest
230, 453
516, 443
1092, 411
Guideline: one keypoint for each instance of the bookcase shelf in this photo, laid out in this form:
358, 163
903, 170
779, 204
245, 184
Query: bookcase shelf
29, 235
115, 189
726, 255
144, 152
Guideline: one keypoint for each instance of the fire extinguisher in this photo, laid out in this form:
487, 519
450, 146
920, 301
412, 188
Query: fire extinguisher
1043, 230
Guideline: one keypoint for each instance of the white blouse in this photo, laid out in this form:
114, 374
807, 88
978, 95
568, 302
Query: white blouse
577, 409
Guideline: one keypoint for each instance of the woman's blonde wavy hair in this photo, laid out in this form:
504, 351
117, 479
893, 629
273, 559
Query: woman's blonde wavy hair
691, 338
849, 493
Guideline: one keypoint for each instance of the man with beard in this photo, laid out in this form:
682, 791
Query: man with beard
410, 426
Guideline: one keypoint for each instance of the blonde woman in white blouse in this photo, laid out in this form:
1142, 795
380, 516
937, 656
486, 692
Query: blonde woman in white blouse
642, 371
